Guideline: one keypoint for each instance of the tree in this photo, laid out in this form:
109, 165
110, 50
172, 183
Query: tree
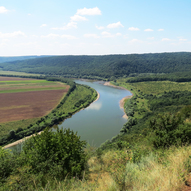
59, 153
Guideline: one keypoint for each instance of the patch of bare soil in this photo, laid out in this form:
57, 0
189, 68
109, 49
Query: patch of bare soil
26, 105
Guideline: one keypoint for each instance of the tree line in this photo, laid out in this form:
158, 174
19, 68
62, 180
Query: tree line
103, 67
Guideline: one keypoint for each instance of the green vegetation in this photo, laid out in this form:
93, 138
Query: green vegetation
50, 155
15, 58
105, 67
13, 73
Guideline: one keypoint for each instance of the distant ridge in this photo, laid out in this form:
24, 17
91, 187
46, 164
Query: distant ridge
16, 58
105, 66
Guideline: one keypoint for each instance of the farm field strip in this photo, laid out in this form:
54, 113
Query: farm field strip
26, 98
24, 81
28, 90
2, 72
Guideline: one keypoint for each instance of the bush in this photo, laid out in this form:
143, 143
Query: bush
170, 130
59, 153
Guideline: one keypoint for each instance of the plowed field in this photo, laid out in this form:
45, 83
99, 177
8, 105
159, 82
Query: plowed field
35, 98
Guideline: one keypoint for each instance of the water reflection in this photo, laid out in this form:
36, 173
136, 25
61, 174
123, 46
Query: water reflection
95, 106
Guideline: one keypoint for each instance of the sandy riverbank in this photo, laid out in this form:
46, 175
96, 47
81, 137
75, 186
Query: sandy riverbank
98, 96
122, 101
19, 141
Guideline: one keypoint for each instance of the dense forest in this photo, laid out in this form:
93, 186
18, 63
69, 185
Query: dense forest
103, 67
17, 58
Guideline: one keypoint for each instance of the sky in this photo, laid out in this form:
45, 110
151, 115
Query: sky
94, 27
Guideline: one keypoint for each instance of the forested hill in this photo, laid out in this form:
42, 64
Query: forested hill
104, 66
16, 58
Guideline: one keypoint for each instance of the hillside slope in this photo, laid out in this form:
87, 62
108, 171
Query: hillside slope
104, 66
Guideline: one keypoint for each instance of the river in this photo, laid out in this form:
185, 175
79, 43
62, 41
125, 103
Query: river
103, 119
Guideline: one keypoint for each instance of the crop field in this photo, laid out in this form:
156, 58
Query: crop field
2, 72
22, 98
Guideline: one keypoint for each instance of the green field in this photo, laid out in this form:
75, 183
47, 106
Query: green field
17, 73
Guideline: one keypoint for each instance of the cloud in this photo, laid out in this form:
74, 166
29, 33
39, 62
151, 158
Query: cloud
68, 26
115, 25
99, 28
133, 29
43, 25
3, 9
107, 34
151, 38
165, 39
51, 35
134, 41
12, 35
78, 18
118, 34
148, 30
91, 11
182, 40
160, 29
91, 36
70, 37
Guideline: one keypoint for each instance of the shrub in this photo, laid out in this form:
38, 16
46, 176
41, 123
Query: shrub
59, 153
170, 130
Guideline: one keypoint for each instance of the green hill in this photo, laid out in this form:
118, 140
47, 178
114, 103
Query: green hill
104, 66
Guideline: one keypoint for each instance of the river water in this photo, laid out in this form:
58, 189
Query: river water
103, 119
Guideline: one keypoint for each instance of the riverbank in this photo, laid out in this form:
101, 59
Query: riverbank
122, 101
19, 141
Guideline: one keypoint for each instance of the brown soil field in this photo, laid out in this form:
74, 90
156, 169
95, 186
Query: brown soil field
25, 105
14, 79
31, 87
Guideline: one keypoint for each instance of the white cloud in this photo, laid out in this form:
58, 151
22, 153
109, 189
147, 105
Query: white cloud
51, 35
78, 18
3, 9
71, 25
91, 36
11, 35
160, 29
133, 29
148, 30
70, 37
165, 39
134, 41
29, 14
68, 26
182, 39
151, 38
43, 25
115, 25
118, 34
91, 11
107, 34
99, 28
